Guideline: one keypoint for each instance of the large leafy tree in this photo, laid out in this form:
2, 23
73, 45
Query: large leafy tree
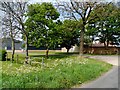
106, 27
69, 33
41, 25
78, 10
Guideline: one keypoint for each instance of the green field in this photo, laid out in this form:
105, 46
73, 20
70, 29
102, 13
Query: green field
58, 71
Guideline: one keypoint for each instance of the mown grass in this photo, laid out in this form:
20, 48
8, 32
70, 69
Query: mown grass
59, 71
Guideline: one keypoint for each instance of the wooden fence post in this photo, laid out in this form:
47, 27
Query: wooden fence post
42, 61
17, 58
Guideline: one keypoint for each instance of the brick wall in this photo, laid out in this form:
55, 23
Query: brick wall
102, 50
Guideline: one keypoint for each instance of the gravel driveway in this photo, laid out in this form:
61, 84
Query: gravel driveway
112, 59
109, 79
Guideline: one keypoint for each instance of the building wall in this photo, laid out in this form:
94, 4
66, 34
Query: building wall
95, 50
102, 50
18, 46
7, 44
73, 49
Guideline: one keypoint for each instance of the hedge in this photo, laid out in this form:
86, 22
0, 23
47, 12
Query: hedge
3, 55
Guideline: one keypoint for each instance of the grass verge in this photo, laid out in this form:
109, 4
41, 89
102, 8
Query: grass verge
63, 72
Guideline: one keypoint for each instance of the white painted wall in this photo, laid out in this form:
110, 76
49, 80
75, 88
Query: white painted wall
73, 49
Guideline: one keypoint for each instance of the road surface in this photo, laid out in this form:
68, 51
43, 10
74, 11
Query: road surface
109, 79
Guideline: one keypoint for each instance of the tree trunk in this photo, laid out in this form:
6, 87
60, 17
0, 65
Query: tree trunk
68, 50
12, 38
47, 53
26, 49
107, 44
26, 46
26, 42
13, 49
104, 44
82, 41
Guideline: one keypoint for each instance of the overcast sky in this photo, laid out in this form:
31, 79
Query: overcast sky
35, 1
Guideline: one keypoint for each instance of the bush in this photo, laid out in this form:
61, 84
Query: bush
3, 55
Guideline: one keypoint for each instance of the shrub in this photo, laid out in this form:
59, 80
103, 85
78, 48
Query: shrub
3, 55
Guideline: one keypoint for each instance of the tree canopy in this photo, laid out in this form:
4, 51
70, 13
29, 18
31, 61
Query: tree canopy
41, 25
79, 10
69, 33
106, 26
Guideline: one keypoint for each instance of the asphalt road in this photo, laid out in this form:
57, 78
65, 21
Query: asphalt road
109, 79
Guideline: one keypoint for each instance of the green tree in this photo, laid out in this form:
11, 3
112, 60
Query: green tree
69, 33
79, 10
106, 26
41, 25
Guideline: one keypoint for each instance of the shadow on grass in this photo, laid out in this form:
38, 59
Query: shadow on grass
38, 57
57, 55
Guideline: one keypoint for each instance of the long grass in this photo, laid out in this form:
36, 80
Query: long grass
56, 72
